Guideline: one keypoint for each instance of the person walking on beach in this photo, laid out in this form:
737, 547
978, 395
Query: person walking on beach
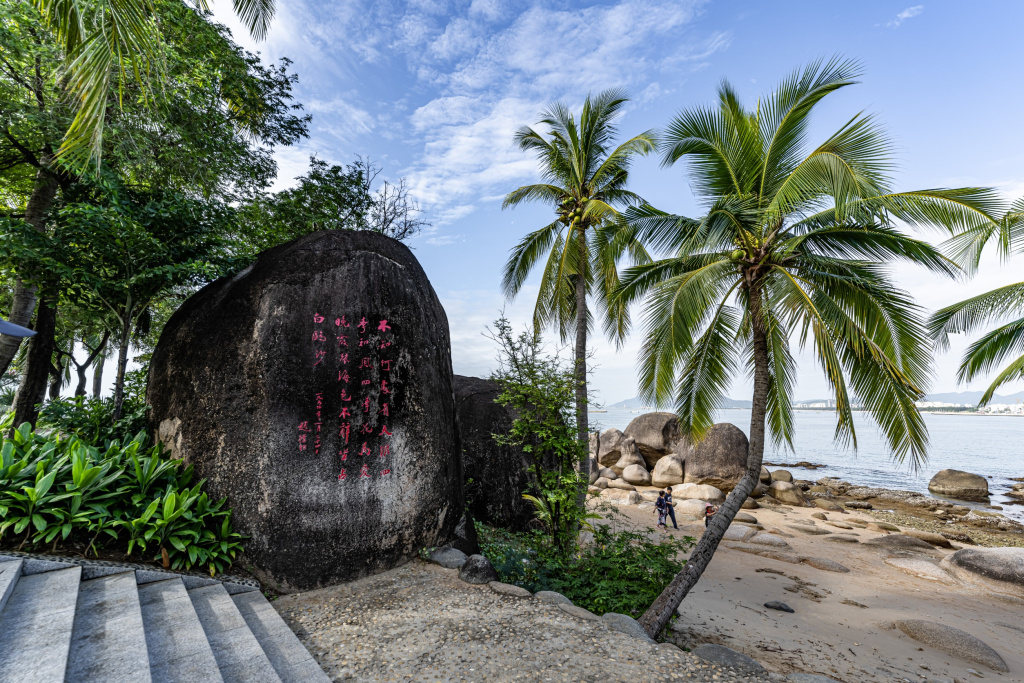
659, 507
670, 508
709, 512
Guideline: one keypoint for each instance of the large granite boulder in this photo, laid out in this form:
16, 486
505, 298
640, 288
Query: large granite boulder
656, 435
314, 390
960, 485
719, 459
668, 471
704, 492
630, 456
787, 493
610, 445
636, 475
496, 475
998, 569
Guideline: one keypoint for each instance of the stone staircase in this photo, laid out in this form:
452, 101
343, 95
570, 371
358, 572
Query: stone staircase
80, 622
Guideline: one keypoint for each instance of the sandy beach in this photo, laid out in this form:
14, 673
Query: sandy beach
842, 624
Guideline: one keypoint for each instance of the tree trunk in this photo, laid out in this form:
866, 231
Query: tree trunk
97, 377
657, 616
24, 301
582, 425
122, 363
93, 357
37, 366
56, 379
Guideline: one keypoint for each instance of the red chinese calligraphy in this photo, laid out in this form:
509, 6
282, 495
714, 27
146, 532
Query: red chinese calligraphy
317, 318
386, 472
318, 357
344, 454
384, 431
342, 340
366, 362
364, 451
344, 413
343, 475
343, 359
385, 450
341, 322
362, 325
345, 396
367, 428
304, 426
383, 326
384, 409
344, 430
366, 404
384, 387
384, 345
364, 472
386, 364
343, 376
318, 335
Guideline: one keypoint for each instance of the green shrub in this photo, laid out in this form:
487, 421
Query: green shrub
92, 419
619, 571
55, 489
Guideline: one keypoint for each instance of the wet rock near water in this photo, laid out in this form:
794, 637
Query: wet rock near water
314, 391
959, 484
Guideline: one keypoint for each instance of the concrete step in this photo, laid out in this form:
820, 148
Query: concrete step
290, 658
108, 642
179, 651
238, 653
36, 625
9, 573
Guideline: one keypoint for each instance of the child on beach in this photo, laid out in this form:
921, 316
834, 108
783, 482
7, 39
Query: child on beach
661, 508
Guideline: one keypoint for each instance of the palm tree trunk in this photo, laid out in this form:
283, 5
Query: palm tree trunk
582, 426
657, 616
23, 303
37, 366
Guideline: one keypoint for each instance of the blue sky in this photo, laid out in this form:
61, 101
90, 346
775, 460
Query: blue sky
433, 91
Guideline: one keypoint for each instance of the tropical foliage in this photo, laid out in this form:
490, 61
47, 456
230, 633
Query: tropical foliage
1006, 341
58, 491
584, 181
795, 246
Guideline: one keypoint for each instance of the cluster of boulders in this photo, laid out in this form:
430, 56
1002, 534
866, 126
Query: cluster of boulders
652, 452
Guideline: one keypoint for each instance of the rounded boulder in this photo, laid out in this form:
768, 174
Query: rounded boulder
959, 485
636, 475
655, 434
782, 475
999, 569
668, 471
630, 456
703, 492
314, 391
785, 492
720, 459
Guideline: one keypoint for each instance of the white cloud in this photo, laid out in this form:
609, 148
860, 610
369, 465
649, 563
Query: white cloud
442, 240
908, 13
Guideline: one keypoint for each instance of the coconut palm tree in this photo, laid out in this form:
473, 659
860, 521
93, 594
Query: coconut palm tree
101, 37
794, 248
1005, 341
584, 181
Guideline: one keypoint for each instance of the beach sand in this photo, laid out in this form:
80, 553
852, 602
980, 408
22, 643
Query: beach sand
842, 626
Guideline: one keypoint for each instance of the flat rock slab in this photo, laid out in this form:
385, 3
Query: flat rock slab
769, 553
934, 539
840, 525
449, 558
769, 540
719, 654
842, 539
509, 589
899, 542
999, 568
552, 598
826, 565
579, 612
738, 533
744, 517
952, 641
811, 530
920, 568
625, 624
810, 678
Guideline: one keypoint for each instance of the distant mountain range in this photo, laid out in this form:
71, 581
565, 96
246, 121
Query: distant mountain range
638, 403
967, 397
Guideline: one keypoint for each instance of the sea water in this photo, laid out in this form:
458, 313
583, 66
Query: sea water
989, 445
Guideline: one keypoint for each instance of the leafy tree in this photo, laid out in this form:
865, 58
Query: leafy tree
103, 41
329, 197
970, 315
221, 115
796, 242
584, 180
115, 251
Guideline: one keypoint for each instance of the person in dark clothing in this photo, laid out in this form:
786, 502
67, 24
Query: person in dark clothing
709, 512
670, 509
659, 507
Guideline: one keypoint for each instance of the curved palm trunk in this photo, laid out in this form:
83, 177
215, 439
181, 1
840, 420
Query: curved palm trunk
657, 616
582, 426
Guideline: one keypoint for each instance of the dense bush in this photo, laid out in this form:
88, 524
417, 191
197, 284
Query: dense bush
122, 498
92, 419
620, 571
